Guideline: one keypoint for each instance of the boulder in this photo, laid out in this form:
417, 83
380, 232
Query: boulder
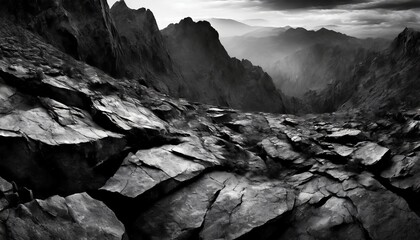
243, 206
74, 217
370, 154
167, 165
180, 215
346, 136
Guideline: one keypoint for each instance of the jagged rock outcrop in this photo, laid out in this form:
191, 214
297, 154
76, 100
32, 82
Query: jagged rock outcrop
75, 217
54, 122
145, 54
82, 28
213, 76
158, 168
407, 44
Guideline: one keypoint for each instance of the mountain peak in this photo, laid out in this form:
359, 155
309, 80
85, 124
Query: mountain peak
120, 4
187, 20
213, 75
325, 30
407, 43
200, 28
408, 30
121, 7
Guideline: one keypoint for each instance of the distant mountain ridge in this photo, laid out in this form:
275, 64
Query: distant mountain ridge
268, 49
392, 79
230, 27
233, 28
125, 44
303, 63
375, 81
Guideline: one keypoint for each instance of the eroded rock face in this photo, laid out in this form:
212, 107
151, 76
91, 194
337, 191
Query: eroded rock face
74, 217
407, 44
84, 29
63, 125
370, 154
6, 194
245, 205
60, 145
403, 172
183, 213
385, 230
148, 168
145, 53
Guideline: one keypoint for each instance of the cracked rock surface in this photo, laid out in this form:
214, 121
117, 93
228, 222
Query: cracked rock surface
86, 156
74, 217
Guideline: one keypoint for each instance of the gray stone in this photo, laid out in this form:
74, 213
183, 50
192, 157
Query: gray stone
74, 217
243, 206
346, 136
180, 214
144, 170
370, 154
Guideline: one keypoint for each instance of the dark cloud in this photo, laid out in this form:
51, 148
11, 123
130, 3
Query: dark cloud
306, 4
337, 4
393, 5
372, 18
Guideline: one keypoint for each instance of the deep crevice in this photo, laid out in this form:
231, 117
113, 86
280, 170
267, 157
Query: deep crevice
128, 209
271, 230
412, 198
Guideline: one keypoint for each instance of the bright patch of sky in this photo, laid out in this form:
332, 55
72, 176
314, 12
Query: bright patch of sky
361, 18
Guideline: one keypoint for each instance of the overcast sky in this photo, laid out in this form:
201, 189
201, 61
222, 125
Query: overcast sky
361, 18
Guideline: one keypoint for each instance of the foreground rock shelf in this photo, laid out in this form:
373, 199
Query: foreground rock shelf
86, 156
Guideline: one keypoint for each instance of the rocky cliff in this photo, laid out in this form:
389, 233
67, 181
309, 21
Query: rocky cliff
213, 76
145, 53
122, 42
82, 28
406, 45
